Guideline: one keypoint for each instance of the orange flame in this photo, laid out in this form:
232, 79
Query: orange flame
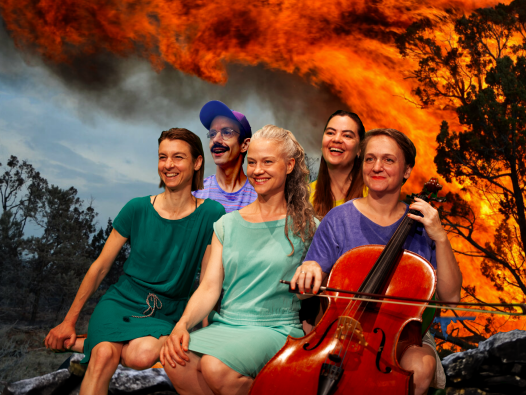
344, 44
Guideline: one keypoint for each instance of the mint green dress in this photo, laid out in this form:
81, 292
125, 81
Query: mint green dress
163, 261
257, 311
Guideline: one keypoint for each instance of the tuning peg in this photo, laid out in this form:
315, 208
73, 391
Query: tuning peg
432, 186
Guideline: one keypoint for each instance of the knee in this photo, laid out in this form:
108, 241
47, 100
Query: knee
102, 356
179, 377
424, 372
141, 357
422, 361
217, 374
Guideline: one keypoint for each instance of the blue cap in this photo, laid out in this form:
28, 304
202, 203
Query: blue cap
215, 108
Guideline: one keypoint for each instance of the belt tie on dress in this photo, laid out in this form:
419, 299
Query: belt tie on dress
155, 304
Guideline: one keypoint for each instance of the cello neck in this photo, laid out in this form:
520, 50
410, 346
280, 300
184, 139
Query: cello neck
385, 263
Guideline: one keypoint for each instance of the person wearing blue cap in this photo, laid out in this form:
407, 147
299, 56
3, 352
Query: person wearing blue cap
229, 135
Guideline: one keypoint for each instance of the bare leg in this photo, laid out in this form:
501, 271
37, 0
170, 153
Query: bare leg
103, 363
142, 353
188, 379
222, 379
421, 360
307, 327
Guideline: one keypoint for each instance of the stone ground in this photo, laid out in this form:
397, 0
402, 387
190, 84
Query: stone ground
496, 367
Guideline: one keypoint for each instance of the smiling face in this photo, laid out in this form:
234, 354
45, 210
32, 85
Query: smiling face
225, 152
341, 142
267, 167
176, 166
384, 167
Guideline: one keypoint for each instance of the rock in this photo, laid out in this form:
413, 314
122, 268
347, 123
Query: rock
43, 385
468, 391
505, 380
497, 366
502, 348
504, 384
464, 365
67, 382
129, 381
74, 365
507, 346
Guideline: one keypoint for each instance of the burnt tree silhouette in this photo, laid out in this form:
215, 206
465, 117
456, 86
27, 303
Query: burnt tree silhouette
476, 66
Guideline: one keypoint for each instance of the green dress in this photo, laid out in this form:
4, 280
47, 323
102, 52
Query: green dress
257, 312
162, 265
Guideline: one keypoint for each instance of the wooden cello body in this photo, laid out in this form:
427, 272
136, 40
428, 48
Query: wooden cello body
357, 346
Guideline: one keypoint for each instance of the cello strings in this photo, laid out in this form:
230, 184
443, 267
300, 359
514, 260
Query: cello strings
337, 342
357, 320
341, 321
389, 254
359, 309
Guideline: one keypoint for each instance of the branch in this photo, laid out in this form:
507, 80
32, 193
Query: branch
477, 335
453, 340
419, 106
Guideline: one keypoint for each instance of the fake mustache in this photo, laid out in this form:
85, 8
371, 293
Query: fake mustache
223, 148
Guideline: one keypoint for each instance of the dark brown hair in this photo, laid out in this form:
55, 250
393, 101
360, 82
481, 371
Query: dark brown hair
196, 150
323, 196
405, 144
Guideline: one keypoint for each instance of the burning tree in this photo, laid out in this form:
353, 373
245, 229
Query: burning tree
476, 65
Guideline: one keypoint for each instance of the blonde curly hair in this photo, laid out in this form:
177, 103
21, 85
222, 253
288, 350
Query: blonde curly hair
297, 190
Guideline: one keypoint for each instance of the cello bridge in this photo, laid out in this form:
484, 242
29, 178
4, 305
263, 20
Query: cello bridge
350, 329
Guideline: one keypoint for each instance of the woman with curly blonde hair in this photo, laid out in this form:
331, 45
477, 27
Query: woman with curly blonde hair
252, 249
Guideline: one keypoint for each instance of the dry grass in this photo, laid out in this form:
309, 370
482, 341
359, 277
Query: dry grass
23, 355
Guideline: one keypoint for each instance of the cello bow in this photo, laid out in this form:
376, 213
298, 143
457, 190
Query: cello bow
378, 298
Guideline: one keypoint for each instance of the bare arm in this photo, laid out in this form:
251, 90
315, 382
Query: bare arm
200, 305
449, 277
64, 334
204, 264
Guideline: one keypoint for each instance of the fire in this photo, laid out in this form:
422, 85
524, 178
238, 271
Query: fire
345, 44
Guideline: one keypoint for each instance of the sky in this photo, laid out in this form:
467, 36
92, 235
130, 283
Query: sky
100, 134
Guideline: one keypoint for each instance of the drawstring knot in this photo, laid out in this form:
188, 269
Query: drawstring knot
156, 304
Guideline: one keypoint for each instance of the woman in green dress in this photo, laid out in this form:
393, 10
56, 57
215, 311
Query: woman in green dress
170, 235
252, 249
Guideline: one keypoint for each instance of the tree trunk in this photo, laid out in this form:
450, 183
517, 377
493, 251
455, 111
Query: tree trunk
61, 304
36, 303
517, 191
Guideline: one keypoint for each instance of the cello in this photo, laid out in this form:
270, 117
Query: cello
356, 347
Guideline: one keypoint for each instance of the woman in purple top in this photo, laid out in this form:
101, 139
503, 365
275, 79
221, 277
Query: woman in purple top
389, 157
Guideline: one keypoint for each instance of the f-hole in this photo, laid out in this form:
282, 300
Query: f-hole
321, 339
379, 353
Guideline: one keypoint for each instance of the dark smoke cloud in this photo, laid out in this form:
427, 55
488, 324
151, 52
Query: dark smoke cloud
128, 88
